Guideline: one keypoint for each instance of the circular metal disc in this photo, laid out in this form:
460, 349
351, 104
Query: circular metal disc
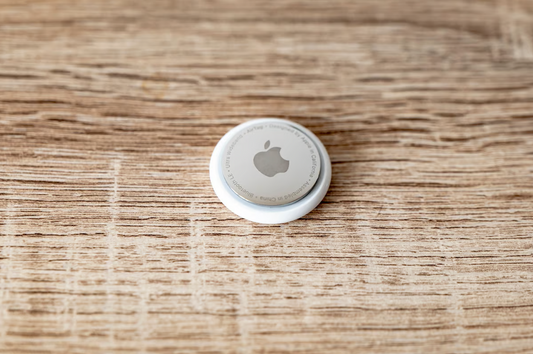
271, 163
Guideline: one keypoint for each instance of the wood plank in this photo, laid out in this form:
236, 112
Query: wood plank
112, 239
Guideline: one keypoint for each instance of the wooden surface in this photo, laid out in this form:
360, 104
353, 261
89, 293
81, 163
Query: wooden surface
112, 240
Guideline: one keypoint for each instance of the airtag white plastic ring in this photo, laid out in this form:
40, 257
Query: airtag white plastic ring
270, 170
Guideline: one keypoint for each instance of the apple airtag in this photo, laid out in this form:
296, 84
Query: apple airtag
270, 170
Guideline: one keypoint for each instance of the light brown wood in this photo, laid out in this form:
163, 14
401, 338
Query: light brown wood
112, 240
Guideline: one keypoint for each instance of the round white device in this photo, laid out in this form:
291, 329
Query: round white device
270, 170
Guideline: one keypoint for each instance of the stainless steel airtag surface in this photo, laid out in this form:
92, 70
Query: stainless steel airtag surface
271, 163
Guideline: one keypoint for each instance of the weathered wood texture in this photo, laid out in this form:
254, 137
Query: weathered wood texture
112, 239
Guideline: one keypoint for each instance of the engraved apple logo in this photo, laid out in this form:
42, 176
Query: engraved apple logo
270, 162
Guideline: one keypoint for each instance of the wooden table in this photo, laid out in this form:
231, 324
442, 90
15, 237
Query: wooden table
113, 241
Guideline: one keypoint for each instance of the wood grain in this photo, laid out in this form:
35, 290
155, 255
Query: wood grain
112, 240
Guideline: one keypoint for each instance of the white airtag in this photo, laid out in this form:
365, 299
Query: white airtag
270, 170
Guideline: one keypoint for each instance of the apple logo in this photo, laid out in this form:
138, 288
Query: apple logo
270, 162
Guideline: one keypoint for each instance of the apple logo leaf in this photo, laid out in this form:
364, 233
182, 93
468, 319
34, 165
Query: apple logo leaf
267, 144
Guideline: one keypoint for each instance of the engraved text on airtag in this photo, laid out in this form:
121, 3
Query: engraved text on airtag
271, 164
